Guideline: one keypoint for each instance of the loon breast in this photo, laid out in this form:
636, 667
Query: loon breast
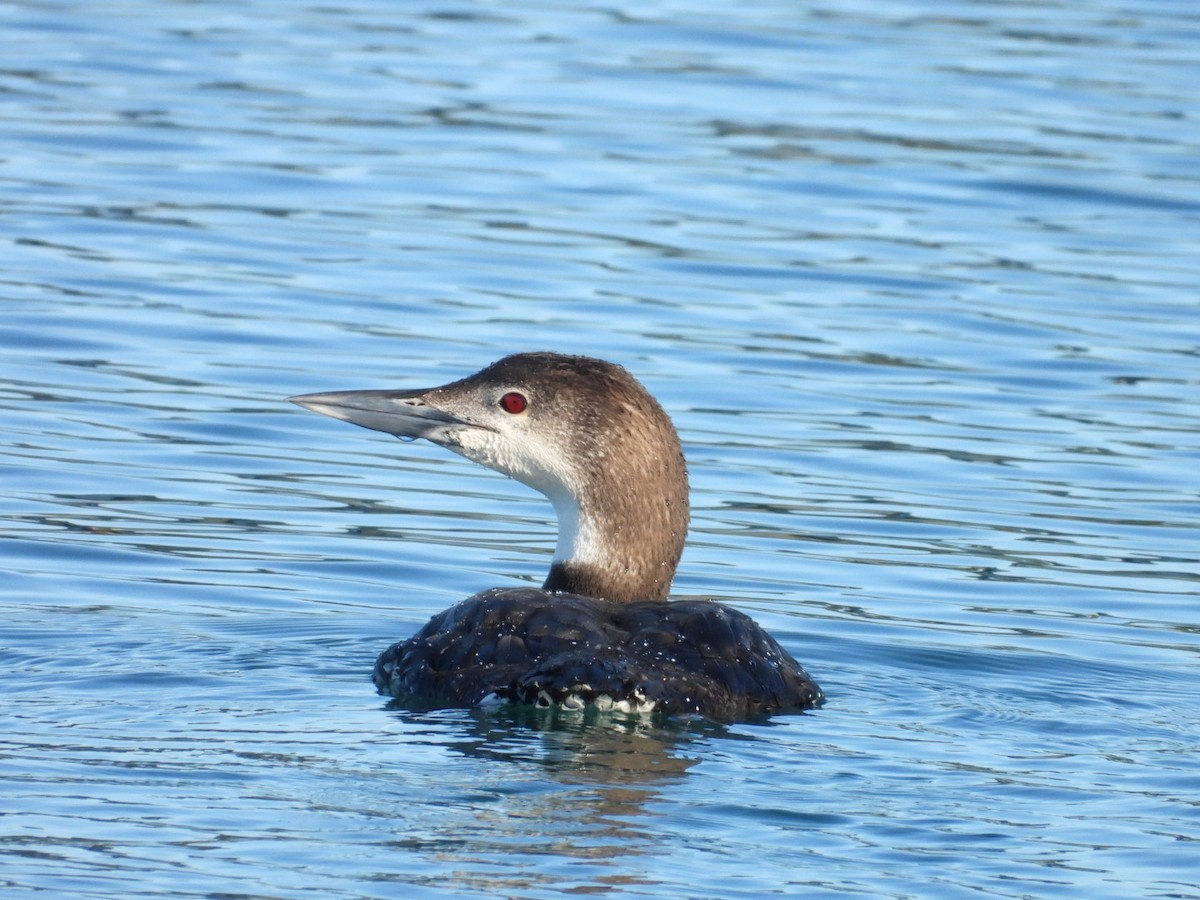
601, 632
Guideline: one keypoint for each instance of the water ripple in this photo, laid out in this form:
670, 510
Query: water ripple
916, 284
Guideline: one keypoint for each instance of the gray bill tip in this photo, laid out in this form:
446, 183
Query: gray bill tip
401, 413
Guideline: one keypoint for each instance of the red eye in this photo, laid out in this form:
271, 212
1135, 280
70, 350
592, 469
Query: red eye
514, 403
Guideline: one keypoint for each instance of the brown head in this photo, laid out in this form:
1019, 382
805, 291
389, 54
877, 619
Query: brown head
581, 431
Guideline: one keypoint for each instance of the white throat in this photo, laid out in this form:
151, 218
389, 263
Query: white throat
541, 466
579, 540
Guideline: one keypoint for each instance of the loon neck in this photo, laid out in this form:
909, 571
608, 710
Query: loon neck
621, 533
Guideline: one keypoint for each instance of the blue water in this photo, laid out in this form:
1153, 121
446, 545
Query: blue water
917, 282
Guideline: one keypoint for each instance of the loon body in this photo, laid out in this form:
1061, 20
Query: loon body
600, 632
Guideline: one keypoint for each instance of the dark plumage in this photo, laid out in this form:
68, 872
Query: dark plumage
518, 645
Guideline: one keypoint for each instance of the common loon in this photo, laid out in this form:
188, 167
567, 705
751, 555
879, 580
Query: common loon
600, 632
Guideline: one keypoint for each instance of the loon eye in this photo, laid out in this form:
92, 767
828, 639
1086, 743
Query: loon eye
514, 403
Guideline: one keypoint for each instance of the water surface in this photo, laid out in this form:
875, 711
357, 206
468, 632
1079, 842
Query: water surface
917, 284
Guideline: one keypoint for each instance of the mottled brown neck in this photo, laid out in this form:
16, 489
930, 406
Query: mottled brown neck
635, 514
623, 539
589, 581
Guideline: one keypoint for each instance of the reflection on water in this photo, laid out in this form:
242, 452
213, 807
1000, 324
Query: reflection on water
599, 777
917, 285
585, 747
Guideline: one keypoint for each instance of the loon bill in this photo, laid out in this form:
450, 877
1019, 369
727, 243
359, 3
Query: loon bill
600, 632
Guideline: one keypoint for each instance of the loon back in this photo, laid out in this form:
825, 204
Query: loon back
521, 646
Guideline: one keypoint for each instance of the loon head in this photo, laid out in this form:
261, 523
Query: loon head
581, 431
